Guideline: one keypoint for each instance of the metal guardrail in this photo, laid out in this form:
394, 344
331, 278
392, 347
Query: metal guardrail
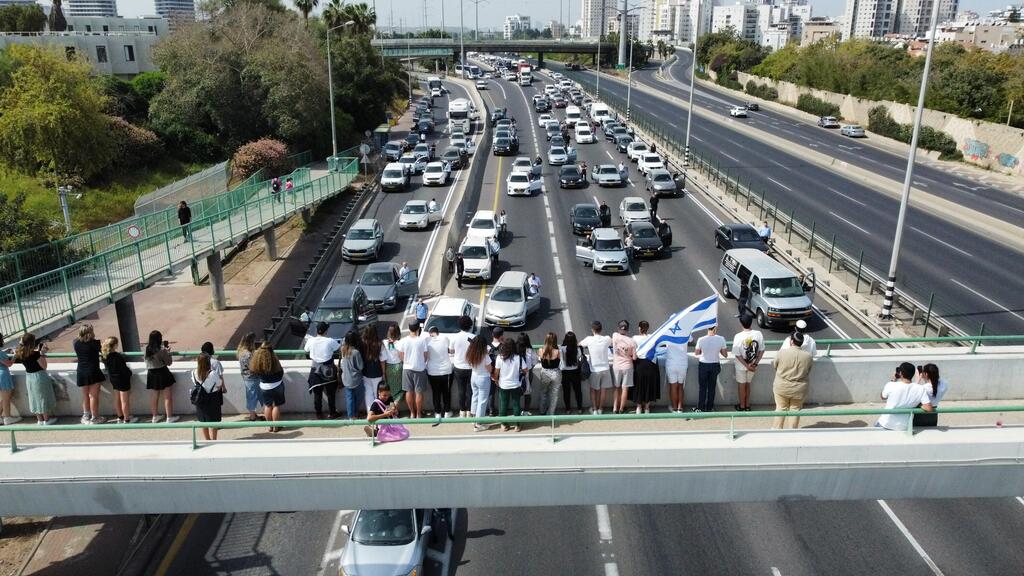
59, 293
553, 421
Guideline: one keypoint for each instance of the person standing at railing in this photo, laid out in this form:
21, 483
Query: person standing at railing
374, 363
462, 372
120, 376
646, 376
623, 356
393, 367
267, 367
184, 218
209, 408
252, 384
710, 349
88, 374
598, 348
275, 189
903, 392
548, 376
928, 376
747, 351
352, 374
509, 369
809, 344
480, 379
6, 386
413, 351
323, 373
525, 350
41, 399
158, 376
792, 369
439, 372
570, 358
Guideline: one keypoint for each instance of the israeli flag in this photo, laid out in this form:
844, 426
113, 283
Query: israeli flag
677, 329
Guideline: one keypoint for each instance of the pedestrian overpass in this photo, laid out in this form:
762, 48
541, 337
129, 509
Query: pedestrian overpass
440, 47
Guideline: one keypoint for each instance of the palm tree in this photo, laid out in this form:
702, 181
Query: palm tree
363, 17
305, 7
334, 13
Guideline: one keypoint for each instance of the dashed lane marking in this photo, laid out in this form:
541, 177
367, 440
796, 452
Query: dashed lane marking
910, 538
943, 242
712, 286
780, 184
838, 217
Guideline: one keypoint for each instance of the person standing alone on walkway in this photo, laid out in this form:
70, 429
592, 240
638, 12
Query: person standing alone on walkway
792, 368
323, 374
421, 311
449, 257
184, 218
710, 349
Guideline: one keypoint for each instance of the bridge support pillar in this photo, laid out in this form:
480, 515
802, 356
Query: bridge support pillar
540, 59
307, 215
216, 280
127, 325
270, 237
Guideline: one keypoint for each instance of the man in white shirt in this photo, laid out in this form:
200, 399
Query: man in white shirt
462, 371
413, 351
675, 373
747, 349
403, 271
710, 348
809, 344
535, 284
323, 374
902, 392
598, 348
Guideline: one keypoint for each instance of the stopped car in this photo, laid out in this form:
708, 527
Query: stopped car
476, 258
410, 141
634, 209
584, 135
612, 134
344, 307
583, 218
417, 215
556, 140
852, 131
498, 114
422, 151
558, 155
481, 84
738, 111
560, 102
510, 302
645, 240
383, 286
455, 157
605, 253
388, 542
412, 163
526, 166
425, 125
635, 149
393, 150
522, 184
541, 105
504, 123
552, 130
543, 120
436, 174
828, 122
570, 176
622, 143
363, 241
777, 297
394, 177
445, 314
484, 224
660, 183
738, 235
648, 162
505, 146
607, 175
464, 144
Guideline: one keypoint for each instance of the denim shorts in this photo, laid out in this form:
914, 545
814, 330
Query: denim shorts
274, 396
253, 399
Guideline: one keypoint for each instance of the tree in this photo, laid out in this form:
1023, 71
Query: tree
22, 227
22, 18
57, 21
305, 7
363, 86
52, 117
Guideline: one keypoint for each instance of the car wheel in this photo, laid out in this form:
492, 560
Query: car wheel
725, 289
761, 320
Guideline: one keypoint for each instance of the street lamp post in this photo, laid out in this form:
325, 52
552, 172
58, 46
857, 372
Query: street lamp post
330, 86
689, 111
890, 285
623, 29
62, 193
629, 76
462, 38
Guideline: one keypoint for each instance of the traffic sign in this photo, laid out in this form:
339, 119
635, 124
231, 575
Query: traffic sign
134, 232
368, 133
364, 149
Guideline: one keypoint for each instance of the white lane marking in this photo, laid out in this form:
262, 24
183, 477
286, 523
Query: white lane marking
331, 553
712, 286
835, 327
776, 572
850, 198
1021, 500
705, 209
604, 522
943, 242
991, 301
611, 569
697, 138
779, 164
850, 223
610, 157
729, 156
910, 537
919, 183
779, 183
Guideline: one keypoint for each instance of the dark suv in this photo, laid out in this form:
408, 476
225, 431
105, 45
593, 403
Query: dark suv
345, 307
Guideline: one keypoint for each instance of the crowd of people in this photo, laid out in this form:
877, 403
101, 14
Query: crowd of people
467, 374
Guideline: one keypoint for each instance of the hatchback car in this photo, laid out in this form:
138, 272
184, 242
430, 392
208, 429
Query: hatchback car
384, 288
476, 258
852, 131
753, 106
648, 162
445, 314
436, 174
387, 542
738, 111
636, 149
570, 176
738, 235
416, 215
623, 142
645, 240
484, 224
660, 183
606, 252
526, 166
828, 122
558, 156
363, 240
522, 184
633, 209
583, 218
455, 157
505, 147
510, 301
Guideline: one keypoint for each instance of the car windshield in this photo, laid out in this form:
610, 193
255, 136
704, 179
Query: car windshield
434, 168
635, 206
444, 324
474, 252
607, 245
523, 163
583, 131
518, 177
332, 315
569, 172
393, 173
556, 151
588, 212
607, 170
502, 142
782, 287
745, 235
451, 153
644, 232
392, 147
662, 178
378, 278
507, 295
360, 234
652, 159
384, 527
554, 127
414, 209
408, 160
640, 147
482, 224
502, 134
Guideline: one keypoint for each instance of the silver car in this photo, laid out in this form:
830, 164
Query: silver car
387, 542
852, 131
558, 155
634, 209
607, 175
605, 253
417, 214
384, 288
510, 301
661, 183
363, 240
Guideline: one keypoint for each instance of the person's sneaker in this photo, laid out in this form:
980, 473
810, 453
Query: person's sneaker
98, 420
173, 419
526, 413
737, 408
639, 410
447, 414
120, 420
86, 419
132, 420
156, 419
480, 427
696, 410
12, 420
50, 422
515, 428
368, 431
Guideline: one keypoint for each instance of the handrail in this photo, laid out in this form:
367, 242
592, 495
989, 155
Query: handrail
553, 420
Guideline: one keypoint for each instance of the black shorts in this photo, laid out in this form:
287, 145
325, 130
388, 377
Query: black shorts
274, 396
210, 410
159, 378
89, 377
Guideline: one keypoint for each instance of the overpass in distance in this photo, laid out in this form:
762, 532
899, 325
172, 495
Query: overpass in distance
425, 47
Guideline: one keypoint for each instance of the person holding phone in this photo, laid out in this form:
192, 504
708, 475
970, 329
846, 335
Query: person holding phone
382, 408
159, 377
41, 399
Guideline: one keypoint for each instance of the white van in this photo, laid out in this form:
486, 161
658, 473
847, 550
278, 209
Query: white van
584, 135
572, 116
599, 111
778, 299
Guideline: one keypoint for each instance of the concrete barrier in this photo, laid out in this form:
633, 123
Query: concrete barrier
845, 376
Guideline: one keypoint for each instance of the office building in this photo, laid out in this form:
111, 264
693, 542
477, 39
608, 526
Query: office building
557, 28
742, 18
515, 24
818, 29
175, 9
91, 8
632, 25
869, 18
913, 17
594, 15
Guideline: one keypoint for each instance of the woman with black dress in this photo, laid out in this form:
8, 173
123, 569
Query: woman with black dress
209, 408
569, 355
120, 380
158, 376
89, 374
646, 377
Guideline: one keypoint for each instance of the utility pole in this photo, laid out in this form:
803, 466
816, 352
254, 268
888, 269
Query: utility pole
623, 30
462, 38
689, 110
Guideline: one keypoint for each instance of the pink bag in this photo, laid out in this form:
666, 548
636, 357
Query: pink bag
390, 432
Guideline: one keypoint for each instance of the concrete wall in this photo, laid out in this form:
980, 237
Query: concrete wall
994, 146
844, 377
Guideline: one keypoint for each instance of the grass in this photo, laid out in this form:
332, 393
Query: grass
101, 203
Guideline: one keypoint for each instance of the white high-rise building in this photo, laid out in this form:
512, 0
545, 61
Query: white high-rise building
593, 13
91, 8
743, 18
515, 23
632, 25
869, 18
174, 9
914, 16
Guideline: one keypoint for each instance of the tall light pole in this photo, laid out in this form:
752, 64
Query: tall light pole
890, 285
462, 38
623, 29
597, 90
62, 192
629, 76
689, 109
330, 86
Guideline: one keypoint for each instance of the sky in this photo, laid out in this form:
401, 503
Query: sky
493, 12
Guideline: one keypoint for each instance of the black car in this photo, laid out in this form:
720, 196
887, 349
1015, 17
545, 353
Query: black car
753, 106
613, 134
646, 242
584, 218
498, 114
557, 141
424, 126
570, 176
542, 105
506, 147
344, 307
622, 142
455, 156
729, 236
411, 141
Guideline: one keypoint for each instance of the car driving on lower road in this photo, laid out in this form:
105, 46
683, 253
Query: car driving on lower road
738, 111
852, 131
388, 542
828, 122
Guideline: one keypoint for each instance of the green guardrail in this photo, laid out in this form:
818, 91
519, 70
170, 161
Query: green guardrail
30, 262
553, 421
61, 292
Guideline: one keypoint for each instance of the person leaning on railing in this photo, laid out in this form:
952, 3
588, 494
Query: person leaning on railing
252, 384
903, 392
42, 400
265, 366
158, 376
208, 409
928, 376
6, 385
120, 376
88, 374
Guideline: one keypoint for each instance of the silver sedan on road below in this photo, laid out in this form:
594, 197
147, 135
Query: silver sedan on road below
387, 542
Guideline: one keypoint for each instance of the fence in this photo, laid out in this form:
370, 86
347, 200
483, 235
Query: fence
213, 180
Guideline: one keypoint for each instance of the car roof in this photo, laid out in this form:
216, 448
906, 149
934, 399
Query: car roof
658, 172
380, 267
522, 158
604, 234
612, 166
511, 278
485, 214
639, 224
394, 143
739, 226
416, 202
766, 266
632, 199
473, 241
584, 205
447, 306
394, 166
567, 167
340, 294
364, 223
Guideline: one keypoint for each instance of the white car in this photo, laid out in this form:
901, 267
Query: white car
412, 163
584, 135
445, 314
388, 541
543, 120
526, 166
551, 89
394, 177
521, 184
634, 209
436, 174
481, 84
422, 150
476, 258
464, 144
636, 149
416, 215
483, 225
738, 111
648, 162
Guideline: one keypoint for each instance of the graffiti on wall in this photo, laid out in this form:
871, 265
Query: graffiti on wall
1007, 160
975, 149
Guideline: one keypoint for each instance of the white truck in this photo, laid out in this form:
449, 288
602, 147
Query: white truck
525, 75
459, 116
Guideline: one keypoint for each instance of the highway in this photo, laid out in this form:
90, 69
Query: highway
973, 277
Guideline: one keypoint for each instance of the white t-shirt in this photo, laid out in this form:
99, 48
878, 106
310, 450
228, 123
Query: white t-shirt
321, 348
710, 348
598, 348
747, 345
940, 392
438, 360
809, 345
561, 359
460, 344
413, 348
675, 355
508, 377
390, 351
484, 369
212, 380
902, 395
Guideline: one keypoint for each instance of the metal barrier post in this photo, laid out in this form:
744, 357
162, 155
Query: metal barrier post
831, 253
21, 311
860, 264
194, 443
142, 271
810, 246
732, 427
14, 443
110, 285
761, 211
167, 244
67, 291
928, 314
974, 345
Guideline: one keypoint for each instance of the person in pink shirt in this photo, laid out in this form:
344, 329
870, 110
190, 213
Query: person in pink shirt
623, 355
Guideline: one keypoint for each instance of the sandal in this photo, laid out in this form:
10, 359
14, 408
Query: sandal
515, 428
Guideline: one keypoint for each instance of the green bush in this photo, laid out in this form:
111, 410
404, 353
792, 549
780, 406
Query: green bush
816, 106
729, 81
134, 146
762, 91
880, 122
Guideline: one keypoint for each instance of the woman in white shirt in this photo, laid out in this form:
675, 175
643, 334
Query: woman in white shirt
208, 409
509, 369
393, 361
928, 376
439, 372
902, 392
480, 378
